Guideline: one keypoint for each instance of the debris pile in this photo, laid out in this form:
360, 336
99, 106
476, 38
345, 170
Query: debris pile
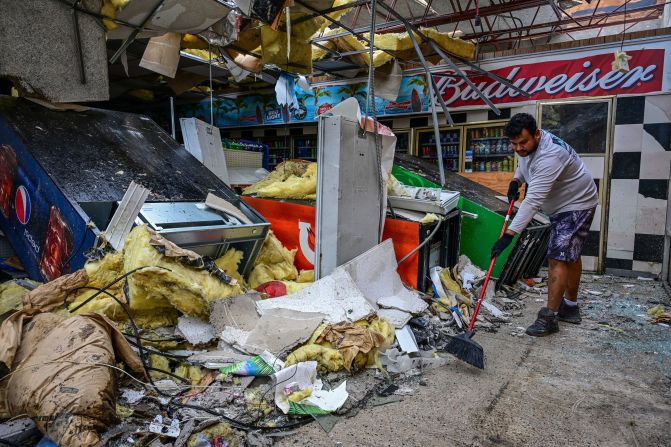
201, 358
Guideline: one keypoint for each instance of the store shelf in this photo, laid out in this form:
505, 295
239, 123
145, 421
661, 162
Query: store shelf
432, 157
487, 138
507, 154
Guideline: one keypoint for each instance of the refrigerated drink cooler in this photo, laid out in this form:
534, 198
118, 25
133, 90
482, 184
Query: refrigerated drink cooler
62, 174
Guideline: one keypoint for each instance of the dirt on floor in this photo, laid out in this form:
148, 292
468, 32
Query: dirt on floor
605, 382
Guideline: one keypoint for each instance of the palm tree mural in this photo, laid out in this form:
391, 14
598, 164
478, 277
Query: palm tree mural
221, 107
357, 91
419, 81
319, 92
226, 108
239, 104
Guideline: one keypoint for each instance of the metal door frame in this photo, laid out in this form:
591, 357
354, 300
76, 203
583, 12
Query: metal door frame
604, 192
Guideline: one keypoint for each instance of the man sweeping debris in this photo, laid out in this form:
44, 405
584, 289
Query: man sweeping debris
559, 184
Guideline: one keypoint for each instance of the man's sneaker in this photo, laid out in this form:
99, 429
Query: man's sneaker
569, 314
545, 324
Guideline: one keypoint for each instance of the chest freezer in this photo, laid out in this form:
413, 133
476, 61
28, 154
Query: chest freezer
62, 174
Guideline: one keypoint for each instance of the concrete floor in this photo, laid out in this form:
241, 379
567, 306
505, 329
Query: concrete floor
606, 382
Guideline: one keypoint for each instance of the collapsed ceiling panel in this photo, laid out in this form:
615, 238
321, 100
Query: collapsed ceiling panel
53, 53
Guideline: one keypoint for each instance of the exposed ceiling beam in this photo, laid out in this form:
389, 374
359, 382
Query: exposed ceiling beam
579, 24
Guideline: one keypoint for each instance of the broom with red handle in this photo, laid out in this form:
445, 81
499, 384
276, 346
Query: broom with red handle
462, 346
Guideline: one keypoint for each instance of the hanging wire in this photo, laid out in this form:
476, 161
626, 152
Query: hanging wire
209, 53
370, 102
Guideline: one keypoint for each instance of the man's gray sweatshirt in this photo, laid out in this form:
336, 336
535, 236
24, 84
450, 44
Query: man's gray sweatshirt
557, 180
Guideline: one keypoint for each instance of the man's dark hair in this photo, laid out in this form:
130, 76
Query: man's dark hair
519, 122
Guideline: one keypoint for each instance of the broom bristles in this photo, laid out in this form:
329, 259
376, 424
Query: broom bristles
465, 349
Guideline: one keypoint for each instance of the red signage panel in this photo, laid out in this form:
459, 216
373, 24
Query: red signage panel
557, 79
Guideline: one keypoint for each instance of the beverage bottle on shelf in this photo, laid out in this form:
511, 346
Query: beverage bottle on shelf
468, 161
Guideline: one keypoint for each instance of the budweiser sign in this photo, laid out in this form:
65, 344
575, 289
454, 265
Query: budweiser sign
587, 76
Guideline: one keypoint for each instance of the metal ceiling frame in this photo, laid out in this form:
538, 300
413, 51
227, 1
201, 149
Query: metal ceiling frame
511, 37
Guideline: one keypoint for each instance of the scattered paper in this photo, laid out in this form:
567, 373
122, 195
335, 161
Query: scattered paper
594, 292
301, 380
166, 428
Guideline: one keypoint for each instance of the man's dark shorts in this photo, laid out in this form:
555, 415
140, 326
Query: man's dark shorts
568, 234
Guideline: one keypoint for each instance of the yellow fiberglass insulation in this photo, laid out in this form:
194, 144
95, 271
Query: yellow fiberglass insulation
230, 262
296, 58
190, 372
281, 172
222, 431
101, 274
295, 286
306, 276
110, 8
294, 187
187, 289
274, 262
298, 180
328, 359
331, 359
11, 296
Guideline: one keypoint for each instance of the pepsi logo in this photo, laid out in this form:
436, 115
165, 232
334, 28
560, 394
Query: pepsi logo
22, 205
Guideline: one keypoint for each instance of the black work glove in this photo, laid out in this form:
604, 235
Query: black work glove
501, 244
513, 191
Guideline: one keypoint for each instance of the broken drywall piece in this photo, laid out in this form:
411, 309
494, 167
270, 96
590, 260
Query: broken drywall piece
161, 55
336, 296
374, 273
408, 302
235, 338
406, 340
280, 330
179, 16
195, 330
395, 317
238, 312
388, 81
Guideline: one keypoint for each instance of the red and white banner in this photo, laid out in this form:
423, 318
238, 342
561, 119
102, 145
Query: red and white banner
556, 79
